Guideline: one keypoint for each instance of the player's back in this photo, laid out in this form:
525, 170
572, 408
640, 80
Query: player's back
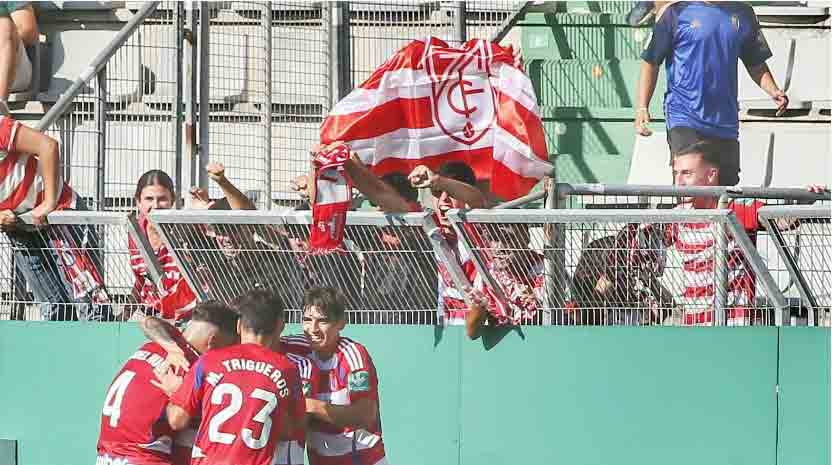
132, 420
247, 393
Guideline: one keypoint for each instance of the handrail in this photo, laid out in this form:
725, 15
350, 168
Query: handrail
95, 66
565, 189
786, 193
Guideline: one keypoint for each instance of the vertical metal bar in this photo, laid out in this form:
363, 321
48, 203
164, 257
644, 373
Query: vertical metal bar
178, 116
204, 90
339, 50
267, 107
460, 23
192, 100
101, 127
759, 267
555, 279
720, 267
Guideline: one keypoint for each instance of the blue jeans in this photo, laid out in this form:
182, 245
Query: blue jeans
36, 259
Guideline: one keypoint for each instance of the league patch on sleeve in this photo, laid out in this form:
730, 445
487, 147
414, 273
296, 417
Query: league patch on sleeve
307, 386
359, 381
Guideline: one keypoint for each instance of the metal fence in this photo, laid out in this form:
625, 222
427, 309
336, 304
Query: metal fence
387, 269
77, 268
561, 267
802, 236
613, 267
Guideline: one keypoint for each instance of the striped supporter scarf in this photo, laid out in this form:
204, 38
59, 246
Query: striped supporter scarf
333, 196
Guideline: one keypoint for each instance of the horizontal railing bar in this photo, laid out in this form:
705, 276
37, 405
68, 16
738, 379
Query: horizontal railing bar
795, 211
786, 193
579, 216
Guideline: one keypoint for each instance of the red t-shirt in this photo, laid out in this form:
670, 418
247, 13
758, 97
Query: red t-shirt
240, 392
133, 423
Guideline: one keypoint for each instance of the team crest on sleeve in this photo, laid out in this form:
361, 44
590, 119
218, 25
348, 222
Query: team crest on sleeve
359, 381
462, 97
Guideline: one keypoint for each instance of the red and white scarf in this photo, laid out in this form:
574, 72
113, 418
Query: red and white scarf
333, 196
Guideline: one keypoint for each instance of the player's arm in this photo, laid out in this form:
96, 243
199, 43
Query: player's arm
185, 402
178, 418
361, 414
376, 190
161, 332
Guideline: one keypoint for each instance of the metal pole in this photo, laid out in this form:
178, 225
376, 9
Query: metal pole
720, 283
690, 191
339, 50
193, 145
555, 279
95, 66
460, 30
101, 127
178, 116
204, 93
509, 23
267, 107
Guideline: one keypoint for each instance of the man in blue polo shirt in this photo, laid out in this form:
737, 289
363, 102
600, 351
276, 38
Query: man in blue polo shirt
700, 43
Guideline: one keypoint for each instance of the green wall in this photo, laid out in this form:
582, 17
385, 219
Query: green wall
571, 395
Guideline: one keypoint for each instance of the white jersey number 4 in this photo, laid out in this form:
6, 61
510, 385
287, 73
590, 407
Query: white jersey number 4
112, 404
263, 416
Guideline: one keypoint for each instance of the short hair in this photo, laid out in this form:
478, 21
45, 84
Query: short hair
399, 182
218, 314
458, 171
260, 311
329, 300
710, 151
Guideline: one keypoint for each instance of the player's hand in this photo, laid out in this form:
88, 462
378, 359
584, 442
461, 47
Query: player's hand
422, 177
642, 121
39, 213
216, 172
166, 379
176, 360
8, 220
817, 188
782, 101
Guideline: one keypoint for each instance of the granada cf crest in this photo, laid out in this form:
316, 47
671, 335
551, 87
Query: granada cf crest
462, 99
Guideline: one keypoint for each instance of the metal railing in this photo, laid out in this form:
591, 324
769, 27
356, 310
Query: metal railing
77, 268
802, 236
387, 269
612, 267
597, 267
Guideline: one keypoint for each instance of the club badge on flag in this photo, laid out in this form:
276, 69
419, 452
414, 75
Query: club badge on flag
431, 103
333, 196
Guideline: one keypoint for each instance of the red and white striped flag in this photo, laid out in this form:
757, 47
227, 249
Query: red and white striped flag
430, 103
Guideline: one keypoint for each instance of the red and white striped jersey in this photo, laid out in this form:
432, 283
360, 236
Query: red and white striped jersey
175, 299
346, 377
452, 299
696, 245
21, 185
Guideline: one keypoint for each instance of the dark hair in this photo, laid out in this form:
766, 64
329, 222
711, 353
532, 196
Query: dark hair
260, 311
709, 150
154, 178
329, 300
218, 314
458, 171
400, 183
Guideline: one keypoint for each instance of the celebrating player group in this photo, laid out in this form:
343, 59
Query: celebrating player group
230, 389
